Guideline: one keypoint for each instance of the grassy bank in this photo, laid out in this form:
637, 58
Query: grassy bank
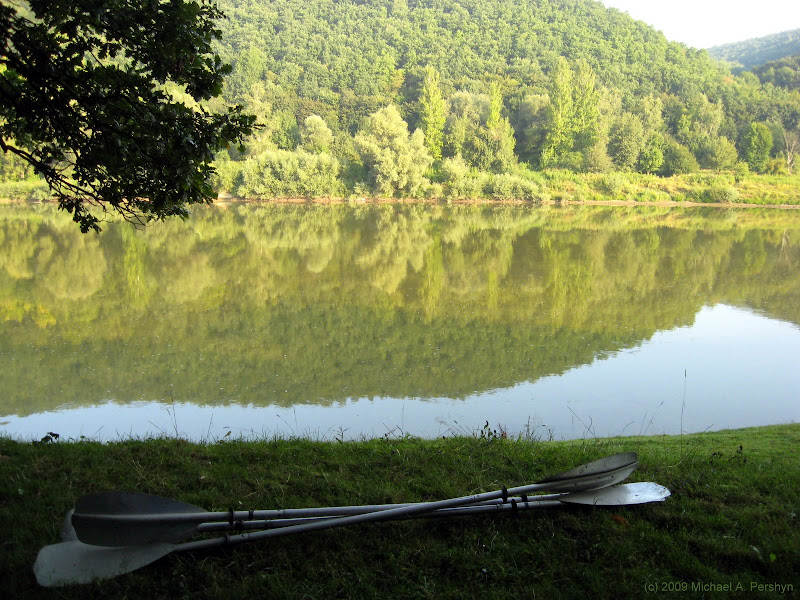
732, 519
551, 186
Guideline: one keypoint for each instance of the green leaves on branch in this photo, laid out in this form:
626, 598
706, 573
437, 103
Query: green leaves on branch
83, 101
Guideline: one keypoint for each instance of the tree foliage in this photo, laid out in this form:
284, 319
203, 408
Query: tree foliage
718, 154
758, 51
678, 159
627, 141
284, 173
756, 146
508, 86
85, 89
784, 72
493, 142
317, 136
432, 113
396, 160
558, 141
572, 123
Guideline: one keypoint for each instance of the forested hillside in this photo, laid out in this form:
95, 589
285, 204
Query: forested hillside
471, 98
784, 72
493, 86
757, 51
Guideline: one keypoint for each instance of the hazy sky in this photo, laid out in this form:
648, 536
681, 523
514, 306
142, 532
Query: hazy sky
705, 23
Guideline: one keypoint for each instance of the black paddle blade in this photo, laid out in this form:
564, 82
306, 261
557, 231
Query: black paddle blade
596, 467
590, 481
99, 519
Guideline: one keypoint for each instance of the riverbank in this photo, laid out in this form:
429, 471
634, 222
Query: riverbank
552, 187
732, 519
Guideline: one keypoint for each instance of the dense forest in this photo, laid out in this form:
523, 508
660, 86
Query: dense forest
472, 98
758, 51
784, 72
283, 304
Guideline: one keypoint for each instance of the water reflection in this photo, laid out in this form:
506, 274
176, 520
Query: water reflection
376, 319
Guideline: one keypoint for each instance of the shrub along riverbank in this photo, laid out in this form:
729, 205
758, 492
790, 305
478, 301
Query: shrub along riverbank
731, 525
523, 185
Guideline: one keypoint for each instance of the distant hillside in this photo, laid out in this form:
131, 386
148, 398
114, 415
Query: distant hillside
784, 72
330, 51
343, 59
470, 98
758, 51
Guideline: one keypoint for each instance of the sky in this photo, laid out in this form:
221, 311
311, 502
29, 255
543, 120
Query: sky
706, 23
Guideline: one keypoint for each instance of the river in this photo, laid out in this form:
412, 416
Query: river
348, 321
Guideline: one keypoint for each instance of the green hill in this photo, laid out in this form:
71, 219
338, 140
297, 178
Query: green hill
324, 50
784, 72
574, 85
498, 89
758, 51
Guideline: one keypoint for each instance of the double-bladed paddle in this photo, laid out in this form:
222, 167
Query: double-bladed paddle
121, 522
125, 519
73, 562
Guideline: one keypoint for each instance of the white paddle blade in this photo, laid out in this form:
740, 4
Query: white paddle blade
620, 495
75, 562
67, 530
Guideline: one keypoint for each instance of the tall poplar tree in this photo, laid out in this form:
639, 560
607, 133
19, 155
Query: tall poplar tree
573, 115
756, 146
432, 113
558, 141
585, 106
496, 140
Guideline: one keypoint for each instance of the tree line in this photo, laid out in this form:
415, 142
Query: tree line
425, 98
758, 51
495, 89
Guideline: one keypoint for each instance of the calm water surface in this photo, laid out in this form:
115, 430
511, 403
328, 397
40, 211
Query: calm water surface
343, 321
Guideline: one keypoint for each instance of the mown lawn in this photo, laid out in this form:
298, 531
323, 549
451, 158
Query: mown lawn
730, 529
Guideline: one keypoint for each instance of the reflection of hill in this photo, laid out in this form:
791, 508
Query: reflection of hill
292, 305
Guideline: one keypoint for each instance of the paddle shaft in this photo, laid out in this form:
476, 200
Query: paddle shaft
608, 479
125, 519
620, 495
592, 481
550, 500
240, 516
280, 526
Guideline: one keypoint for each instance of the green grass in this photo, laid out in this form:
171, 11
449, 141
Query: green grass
732, 518
523, 184
704, 187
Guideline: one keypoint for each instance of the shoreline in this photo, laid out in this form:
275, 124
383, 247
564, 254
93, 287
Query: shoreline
730, 520
230, 200
222, 201
476, 434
